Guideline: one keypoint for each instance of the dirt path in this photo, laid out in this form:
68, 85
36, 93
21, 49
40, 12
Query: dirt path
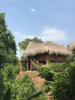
36, 78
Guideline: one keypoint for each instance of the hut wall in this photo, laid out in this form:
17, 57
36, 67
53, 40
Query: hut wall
41, 57
51, 58
60, 58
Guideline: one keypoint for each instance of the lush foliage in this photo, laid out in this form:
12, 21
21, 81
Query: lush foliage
21, 88
17, 89
12, 88
7, 44
24, 43
61, 78
64, 85
1, 86
64, 82
71, 58
48, 71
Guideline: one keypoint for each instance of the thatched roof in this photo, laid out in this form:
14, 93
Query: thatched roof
71, 46
45, 47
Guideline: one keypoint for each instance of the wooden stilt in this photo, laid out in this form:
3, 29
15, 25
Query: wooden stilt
47, 59
20, 61
30, 66
27, 66
20, 66
38, 62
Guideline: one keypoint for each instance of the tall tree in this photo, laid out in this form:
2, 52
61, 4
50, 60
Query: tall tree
23, 44
7, 43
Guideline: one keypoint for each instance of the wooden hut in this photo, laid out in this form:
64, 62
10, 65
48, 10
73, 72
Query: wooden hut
43, 52
71, 46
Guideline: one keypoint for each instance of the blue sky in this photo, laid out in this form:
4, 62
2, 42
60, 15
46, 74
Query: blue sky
49, 20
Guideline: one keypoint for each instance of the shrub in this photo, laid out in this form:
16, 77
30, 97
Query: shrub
44, 72
48, 71
8, 80
17, 89
64, 85
21, 88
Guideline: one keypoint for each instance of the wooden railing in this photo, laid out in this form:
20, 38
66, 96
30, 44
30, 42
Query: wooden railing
34, 62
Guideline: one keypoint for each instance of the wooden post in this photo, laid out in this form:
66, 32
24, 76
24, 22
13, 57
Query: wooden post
38, 62
20, 66
27, 65
30, 63
56, 59
47, 59
20, 61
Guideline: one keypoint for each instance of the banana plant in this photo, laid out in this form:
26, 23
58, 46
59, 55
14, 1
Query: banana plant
35, 94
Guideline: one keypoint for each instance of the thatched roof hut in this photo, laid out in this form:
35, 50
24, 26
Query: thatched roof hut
45, 47
71, 46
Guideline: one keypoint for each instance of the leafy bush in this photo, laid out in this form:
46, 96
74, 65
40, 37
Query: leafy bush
24, 66
16, 69
46, 88
21, 88
44, 72
64, 85
71, 58
48, 71
17, 89
8, 79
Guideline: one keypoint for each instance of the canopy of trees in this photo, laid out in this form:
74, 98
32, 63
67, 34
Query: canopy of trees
7, 43
24, 43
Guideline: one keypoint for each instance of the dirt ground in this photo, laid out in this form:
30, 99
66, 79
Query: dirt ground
36, 78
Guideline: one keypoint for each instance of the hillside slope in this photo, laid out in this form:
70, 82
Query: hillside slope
36, 78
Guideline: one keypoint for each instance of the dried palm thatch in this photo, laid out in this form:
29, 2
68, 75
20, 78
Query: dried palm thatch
71, 46
45, 47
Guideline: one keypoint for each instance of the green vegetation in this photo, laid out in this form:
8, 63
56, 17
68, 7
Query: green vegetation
7, 44
12, 88
17, 88
34, 95
24, 43
1, 86
60, 77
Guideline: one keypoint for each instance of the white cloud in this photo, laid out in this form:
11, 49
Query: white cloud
33, 10
53, 34
22, 36
48, 34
